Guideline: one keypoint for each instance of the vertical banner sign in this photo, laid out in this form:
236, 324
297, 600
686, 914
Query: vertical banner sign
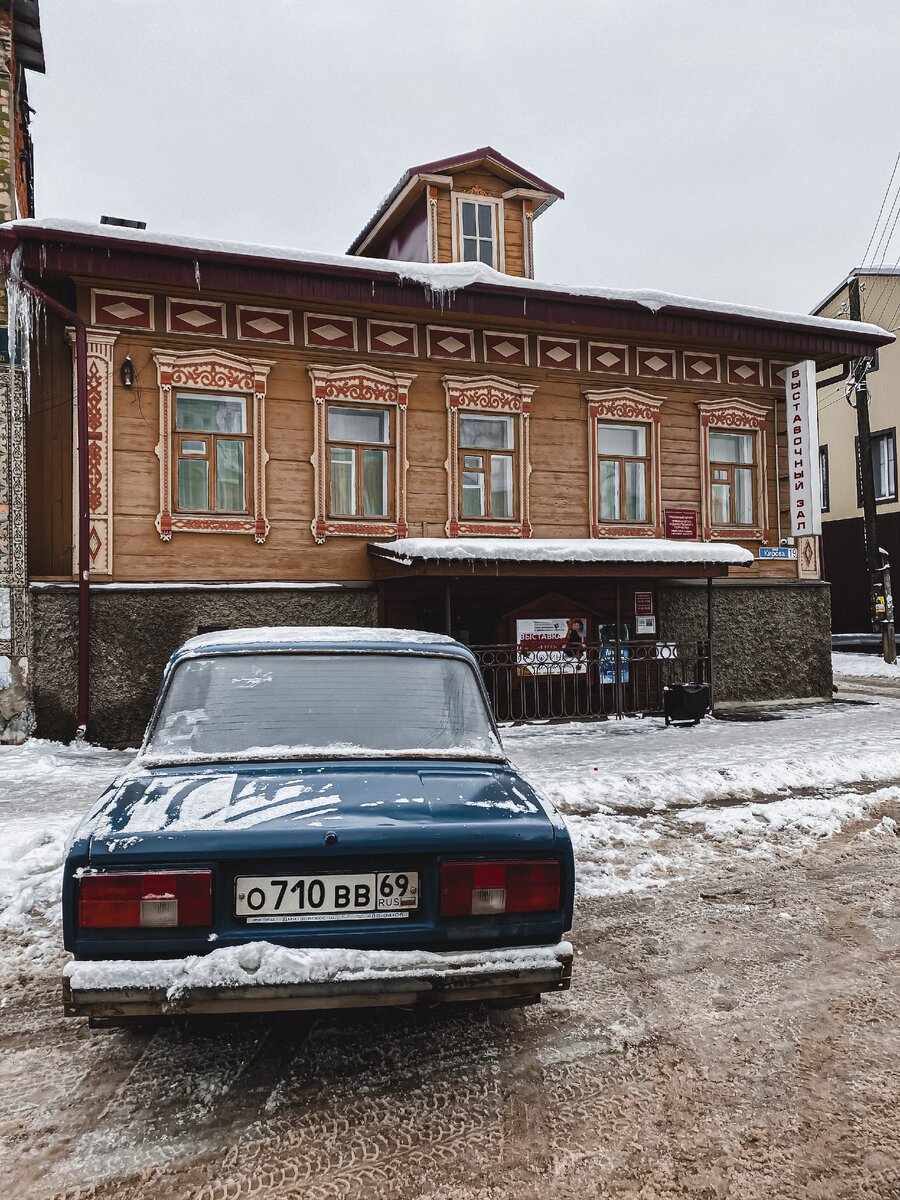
803, 449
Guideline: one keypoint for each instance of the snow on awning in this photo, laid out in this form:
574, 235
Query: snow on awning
563, 552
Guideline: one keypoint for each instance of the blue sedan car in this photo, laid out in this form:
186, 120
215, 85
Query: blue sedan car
318, 818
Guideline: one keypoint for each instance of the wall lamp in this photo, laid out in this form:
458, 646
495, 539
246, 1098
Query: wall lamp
126, 372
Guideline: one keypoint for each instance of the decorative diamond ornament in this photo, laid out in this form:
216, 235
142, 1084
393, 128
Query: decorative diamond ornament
122, 310
558, 354
744, 371
700, 367
391, 338
656, 363
329, 332
195, 318
265, 325
609, 359
505, 348
451, 344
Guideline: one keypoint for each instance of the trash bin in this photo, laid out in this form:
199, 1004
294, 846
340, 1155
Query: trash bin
686, 702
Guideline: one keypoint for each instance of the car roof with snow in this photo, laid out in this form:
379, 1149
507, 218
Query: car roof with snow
318, 638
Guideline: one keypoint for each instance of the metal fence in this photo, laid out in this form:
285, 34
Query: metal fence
616, 679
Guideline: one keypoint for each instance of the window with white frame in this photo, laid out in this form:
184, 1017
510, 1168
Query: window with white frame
213, 449
884, 466
732, 477
623, 471
477, 231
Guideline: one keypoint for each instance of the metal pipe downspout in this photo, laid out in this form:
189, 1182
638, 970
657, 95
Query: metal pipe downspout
84, 511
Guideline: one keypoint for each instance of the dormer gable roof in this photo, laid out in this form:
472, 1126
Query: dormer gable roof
412, 182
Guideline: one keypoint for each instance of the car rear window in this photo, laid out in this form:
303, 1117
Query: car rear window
303, 705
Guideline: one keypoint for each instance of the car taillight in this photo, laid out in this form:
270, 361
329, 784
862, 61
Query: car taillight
481, 889
149, 899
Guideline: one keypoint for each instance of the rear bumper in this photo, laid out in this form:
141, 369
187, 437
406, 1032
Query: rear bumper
260, 977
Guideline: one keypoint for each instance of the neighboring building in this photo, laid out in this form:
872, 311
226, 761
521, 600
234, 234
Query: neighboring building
556, 476
20, 51
843, 541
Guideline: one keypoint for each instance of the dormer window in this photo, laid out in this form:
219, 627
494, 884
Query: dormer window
477, 230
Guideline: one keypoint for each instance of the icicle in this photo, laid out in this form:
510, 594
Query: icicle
197, 274
24, 311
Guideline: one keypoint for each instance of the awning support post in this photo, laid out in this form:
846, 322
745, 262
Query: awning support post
619, 704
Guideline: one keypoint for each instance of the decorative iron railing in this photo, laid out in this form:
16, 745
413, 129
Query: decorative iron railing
614, 679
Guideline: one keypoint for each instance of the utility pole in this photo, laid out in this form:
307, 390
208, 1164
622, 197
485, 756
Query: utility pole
881, 605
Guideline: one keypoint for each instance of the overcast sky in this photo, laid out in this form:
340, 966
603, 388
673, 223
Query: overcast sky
731, 149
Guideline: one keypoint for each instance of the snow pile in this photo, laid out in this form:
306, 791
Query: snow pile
260, 964
865, 666
336, 636
565, 550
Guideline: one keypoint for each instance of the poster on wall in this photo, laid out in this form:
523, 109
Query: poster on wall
551, 645
606, 635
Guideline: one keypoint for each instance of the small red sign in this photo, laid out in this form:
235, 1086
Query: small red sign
643, 604
681, 523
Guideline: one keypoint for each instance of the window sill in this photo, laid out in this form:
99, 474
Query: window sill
169, 523
489, 529
735, 533
629, 531
324, 527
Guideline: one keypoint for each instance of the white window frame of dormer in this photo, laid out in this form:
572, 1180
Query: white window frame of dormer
495, 202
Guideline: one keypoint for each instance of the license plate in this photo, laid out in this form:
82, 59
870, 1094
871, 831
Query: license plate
387, 895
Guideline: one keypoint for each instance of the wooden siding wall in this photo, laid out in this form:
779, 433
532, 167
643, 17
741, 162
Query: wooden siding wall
559, 480
49, 456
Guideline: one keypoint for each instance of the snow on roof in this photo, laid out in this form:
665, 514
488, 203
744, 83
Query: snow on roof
436, 277
565, 550
322, 636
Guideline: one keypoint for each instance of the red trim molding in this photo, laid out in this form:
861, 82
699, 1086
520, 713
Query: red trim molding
358, 385
216, 371
746, 417
625, 404
487, 393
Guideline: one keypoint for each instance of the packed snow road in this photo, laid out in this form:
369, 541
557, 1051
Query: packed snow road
731, 1031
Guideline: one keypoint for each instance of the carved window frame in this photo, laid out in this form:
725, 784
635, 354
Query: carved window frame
480, 395
363, 385
625, 405
736, 416
478, 196
211, 371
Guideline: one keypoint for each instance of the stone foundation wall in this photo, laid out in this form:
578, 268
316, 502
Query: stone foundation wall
133, 633
771, 640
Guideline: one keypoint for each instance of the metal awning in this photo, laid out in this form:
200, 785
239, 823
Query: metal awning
609, 557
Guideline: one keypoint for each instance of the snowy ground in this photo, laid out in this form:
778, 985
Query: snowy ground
731, 1031
866, 666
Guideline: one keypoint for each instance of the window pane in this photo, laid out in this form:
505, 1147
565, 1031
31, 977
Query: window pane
470, 250
358, 424
610, 508
486, 253
467, 209
721, 493
472, 495
230, 494
191, 447
501, 486
622, 439
193, 483
375, 472
731, 447
210, 414
343, 487
743, 497
491, 433
485, 221
635, 491
475, 461
883, 466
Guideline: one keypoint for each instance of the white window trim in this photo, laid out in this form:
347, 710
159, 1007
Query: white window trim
735, 416
630, 406
456, 198
367, 386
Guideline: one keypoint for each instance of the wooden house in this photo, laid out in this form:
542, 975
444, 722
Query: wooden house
585, 485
